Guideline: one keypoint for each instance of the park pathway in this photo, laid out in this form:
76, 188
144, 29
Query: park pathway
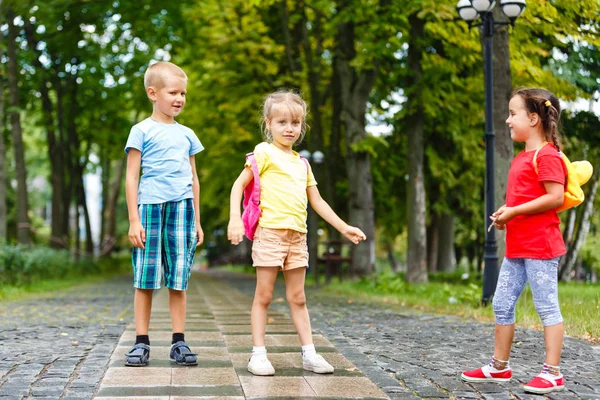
71, 344
218, 329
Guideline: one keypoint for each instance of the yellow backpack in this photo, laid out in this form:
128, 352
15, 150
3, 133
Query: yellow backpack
578, 173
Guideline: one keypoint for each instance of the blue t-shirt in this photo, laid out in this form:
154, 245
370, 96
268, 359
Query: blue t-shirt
166, 168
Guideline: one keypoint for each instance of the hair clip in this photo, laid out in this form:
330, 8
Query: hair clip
548, 103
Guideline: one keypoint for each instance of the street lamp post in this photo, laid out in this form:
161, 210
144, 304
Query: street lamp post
317, 157
470, 11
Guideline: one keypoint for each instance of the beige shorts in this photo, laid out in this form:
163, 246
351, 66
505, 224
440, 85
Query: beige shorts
283, 248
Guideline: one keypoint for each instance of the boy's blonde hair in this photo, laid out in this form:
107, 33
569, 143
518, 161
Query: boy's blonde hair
157, 74
295, 104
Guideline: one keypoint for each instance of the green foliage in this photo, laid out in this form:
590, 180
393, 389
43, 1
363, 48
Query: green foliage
465, 292
21, 266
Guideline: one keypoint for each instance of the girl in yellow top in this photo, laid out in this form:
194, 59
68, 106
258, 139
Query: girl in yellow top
280, 239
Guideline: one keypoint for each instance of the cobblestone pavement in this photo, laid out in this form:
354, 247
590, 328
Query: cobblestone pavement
58, 346
412, 355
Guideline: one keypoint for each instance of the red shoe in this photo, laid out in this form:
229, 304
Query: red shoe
484, 374
544, 383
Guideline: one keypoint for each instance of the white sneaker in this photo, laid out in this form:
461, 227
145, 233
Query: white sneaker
259, 364
317, 364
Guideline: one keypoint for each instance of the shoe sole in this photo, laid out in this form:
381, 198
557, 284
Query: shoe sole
469, 379
179, 363
543, 391
318, 370
258, 373
136, 365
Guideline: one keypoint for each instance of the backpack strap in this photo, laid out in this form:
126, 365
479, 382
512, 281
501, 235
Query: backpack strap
535, 157
254, 184
305, 162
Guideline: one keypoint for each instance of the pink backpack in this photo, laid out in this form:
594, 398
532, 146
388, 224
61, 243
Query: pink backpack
252, 211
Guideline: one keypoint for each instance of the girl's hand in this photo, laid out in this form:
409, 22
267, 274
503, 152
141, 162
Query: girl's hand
502, 216
235, 230
200, 234
137, 234
353, 234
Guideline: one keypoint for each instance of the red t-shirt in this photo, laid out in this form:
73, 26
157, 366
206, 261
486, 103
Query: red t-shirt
538, 235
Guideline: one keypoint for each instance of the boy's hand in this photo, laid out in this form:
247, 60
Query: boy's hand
235, 230
200, 234
137, 234
353, 234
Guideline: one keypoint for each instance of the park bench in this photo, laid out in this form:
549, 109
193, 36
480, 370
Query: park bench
333, 259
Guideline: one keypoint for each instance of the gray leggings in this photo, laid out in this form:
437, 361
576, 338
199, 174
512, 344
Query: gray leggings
543, 280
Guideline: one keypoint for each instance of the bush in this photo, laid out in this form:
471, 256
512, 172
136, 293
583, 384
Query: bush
22, 265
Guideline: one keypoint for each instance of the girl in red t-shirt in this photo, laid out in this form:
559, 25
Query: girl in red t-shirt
533, 238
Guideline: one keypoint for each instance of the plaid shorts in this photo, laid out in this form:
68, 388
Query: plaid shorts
170, 245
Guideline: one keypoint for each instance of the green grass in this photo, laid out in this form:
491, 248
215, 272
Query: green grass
580, 303
42, 287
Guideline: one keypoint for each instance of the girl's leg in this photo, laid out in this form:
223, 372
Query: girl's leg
265, 282
511, 282
543, 279
294, 290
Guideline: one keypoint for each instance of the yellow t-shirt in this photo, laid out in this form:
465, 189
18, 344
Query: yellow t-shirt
283, 183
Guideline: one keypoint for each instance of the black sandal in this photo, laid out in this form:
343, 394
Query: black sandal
182, 355
138, 356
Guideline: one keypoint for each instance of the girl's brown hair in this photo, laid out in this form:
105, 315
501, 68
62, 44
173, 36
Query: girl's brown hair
543, 103
290, 99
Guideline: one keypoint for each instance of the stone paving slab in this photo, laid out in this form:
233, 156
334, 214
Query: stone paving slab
411, 355
223, 355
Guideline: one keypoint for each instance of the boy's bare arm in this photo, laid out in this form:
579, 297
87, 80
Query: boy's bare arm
354, 234
196, 191
137, 235
235, 229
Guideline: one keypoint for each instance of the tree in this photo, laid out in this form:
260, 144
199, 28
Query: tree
416, 262
3, 179
15, 122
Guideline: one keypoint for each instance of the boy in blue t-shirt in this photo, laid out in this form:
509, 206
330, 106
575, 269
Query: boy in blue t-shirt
164, 210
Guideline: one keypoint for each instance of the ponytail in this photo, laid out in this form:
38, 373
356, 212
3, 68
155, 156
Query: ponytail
545, 104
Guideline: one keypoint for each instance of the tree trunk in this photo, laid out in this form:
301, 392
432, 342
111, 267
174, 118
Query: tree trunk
79, 166
23, 227
3, 177
584, 228
105, 167
66, 164
446, 255
416, 262
89, 244
355, 87
394, 263
111, 209
569, 228
433, 235
504, 148
59, 230
316, 133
